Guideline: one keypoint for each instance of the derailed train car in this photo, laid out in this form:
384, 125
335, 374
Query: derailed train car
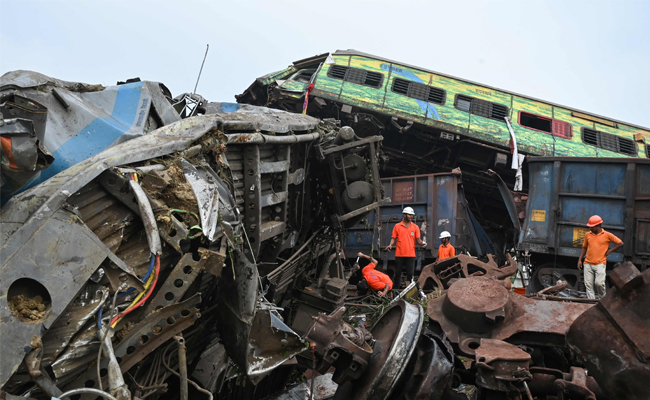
164, 251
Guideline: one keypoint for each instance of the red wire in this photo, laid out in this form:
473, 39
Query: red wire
139, 303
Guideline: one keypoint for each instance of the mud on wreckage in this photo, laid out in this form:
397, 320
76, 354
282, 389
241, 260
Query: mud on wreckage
166, 265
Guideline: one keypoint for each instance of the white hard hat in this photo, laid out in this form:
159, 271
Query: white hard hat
445, 234
408, 210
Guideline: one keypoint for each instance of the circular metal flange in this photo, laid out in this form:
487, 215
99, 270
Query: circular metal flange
396, 336
476, 304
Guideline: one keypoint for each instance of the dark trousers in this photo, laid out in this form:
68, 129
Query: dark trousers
402, 263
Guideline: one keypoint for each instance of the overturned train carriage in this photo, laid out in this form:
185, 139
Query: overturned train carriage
186, 242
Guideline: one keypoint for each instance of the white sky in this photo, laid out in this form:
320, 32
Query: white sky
590, 55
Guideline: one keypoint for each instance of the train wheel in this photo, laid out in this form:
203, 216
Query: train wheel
549, 274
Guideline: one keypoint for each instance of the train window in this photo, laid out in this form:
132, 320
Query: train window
303, 76
535, 122
337, 72
498, 112
419, 91
463, 103
647, 150
355, 75
608, 141
481, 107
562, 129
545, 124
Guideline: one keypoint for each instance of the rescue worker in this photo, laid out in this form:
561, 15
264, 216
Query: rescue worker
596, 246
446, 250
375, 280
406, 233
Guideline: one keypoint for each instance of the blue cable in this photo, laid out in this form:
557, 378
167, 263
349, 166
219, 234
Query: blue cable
101, 311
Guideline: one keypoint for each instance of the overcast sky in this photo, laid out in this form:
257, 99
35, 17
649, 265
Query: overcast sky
590, 55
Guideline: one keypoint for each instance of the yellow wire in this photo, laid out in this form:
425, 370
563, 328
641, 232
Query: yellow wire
146, 286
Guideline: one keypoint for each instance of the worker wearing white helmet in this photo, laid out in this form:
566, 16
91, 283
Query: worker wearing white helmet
446, 250
405, 233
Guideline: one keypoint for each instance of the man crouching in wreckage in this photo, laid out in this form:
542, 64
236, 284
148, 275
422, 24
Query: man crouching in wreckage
377, 281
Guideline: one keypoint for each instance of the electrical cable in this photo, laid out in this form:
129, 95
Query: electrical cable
137, 302
146, 276
101, 342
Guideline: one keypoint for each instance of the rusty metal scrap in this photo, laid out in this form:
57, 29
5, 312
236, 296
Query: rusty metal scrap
479, 307
621, 363
441, 274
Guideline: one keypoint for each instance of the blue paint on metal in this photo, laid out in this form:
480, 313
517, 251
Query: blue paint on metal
565, 192
435, 199
229, 107
97, 135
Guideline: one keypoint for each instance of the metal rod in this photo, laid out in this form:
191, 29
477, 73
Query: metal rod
258, 138
182, 366
201, 70
96, 392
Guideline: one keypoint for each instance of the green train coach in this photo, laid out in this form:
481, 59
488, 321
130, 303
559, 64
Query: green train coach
433, 121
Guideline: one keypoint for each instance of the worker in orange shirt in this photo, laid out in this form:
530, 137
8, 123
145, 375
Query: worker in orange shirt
405, 233
596, 247
375, 280
446, 250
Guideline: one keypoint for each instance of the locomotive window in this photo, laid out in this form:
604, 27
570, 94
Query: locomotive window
608, 141
419, 91
481, 108
355, 75
647, 150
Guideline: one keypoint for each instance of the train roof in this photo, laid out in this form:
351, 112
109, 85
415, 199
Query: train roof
352, 52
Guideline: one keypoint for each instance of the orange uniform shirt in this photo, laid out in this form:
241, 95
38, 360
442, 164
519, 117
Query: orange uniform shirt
597, 246
446, 251
377, 280
405, 239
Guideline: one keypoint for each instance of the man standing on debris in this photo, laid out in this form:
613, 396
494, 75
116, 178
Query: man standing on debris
375, 280
446, 250
596, 246
406, 233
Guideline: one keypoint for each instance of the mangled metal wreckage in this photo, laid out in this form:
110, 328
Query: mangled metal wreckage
208, 249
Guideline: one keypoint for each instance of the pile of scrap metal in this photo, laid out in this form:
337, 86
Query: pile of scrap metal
483, 342
165, 251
